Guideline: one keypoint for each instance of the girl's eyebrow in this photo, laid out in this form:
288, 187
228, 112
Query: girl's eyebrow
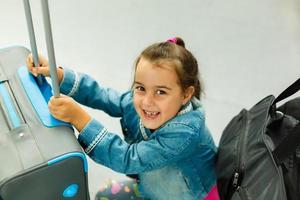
163, 87
158, 86
136, 82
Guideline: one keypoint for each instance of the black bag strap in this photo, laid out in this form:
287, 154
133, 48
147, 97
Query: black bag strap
292, 89
287, 146
292, 140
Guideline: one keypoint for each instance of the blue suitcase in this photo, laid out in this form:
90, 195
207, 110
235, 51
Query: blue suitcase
40, 156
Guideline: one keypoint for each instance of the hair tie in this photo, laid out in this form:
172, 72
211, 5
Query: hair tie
173, 40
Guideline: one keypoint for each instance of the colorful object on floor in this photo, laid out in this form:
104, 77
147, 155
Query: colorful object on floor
119, 191
116, 187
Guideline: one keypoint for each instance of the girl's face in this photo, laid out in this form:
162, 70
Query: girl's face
157, 93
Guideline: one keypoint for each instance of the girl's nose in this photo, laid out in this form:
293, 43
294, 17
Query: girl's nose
148, 100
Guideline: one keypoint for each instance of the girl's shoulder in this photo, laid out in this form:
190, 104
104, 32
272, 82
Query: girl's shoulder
192, 118
127, 99
129, 113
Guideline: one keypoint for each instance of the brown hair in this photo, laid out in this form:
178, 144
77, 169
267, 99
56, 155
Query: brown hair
185, 64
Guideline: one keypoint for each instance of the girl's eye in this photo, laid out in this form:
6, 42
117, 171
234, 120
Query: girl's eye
140, 88
160, 92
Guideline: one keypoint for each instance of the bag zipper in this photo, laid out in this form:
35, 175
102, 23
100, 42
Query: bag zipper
238, 173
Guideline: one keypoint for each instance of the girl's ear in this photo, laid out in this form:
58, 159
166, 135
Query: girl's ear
188, 94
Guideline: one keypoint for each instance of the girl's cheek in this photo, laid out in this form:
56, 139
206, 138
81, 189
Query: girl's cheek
136, 104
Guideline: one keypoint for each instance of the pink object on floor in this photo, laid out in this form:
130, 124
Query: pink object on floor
115, 188
213, 194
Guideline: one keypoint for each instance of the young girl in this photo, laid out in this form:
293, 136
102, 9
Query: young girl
167, 147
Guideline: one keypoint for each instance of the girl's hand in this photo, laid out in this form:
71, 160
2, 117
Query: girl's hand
43, 67
66, 109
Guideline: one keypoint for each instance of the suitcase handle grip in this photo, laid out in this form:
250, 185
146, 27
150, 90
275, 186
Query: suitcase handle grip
9, 107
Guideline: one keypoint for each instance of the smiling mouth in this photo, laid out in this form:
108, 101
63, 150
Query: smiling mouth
150, 115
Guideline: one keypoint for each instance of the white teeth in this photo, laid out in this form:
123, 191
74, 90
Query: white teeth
151, 113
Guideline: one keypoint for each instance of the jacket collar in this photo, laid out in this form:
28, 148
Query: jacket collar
184, 109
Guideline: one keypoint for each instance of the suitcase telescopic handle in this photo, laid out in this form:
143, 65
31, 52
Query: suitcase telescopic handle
49, 42
50, 48
32, 37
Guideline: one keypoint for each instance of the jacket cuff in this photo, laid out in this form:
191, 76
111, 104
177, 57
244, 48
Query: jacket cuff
70, 83
92, 134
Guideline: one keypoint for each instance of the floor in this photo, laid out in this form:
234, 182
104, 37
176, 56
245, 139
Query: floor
246, 49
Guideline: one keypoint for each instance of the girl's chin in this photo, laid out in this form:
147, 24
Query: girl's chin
150, 125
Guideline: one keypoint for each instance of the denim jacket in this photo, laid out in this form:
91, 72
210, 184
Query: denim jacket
176, 161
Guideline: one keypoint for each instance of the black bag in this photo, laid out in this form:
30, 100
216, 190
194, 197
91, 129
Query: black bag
259, 151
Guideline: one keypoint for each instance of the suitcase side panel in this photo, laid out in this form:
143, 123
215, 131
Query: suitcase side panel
49, 182
32, 144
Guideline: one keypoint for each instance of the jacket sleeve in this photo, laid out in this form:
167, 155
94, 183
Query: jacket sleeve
85, 90
111, 151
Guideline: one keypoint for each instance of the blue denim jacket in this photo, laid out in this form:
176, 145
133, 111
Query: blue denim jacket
174, 162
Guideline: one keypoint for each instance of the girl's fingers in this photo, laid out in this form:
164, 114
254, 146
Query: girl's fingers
30, 65
57, 101
29, 61
42, 70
